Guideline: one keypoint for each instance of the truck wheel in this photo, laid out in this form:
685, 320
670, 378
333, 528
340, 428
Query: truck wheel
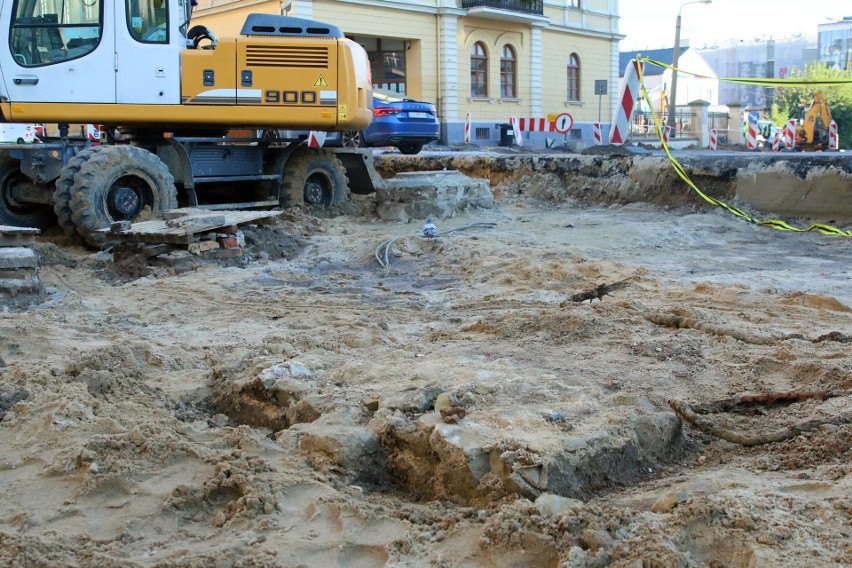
20, 214
352, 139
119, 183
62, 194
313, 177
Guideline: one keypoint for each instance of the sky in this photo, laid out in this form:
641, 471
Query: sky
651, 25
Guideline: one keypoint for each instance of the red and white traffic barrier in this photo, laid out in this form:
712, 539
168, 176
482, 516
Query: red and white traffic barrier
620, 130
597, 130
833, 141
791, 134
93, 133
751, 136
316, 138
714, 139
516, 127
776, 141
467, 128
667, 131
536, 125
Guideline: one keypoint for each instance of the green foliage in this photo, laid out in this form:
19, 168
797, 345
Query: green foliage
779, 115
839, 98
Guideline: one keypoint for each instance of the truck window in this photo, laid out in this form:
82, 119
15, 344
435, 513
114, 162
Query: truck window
44, 32
147, 20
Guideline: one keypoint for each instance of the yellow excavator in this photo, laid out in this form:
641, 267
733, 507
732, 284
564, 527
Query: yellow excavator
167, 95
813, 124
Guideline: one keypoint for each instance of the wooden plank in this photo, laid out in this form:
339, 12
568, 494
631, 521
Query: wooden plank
8, 229
164, 231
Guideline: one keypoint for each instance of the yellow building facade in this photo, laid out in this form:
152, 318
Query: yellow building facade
493, 59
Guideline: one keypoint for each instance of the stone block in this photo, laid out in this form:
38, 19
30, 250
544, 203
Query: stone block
18, 257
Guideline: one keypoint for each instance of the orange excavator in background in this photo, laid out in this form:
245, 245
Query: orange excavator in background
812, 126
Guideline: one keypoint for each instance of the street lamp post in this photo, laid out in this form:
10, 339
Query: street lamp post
675, 55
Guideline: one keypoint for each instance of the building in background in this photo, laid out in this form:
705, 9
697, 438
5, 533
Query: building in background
759, 58
658, 80
494, 59
835, 43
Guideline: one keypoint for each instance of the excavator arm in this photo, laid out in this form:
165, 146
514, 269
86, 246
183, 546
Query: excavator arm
812, 132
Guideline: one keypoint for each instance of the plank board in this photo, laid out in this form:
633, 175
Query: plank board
159, 231
7, 229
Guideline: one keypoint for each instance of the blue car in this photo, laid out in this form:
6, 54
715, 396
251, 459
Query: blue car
397, 121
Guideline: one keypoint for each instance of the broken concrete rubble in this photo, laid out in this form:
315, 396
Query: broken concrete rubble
417, 195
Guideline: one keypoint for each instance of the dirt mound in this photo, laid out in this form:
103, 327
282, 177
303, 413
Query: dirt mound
468, 403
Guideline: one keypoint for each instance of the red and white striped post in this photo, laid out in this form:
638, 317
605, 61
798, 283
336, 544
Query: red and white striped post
791, 133
776, 141
619, 131
467, 128
316, 138
833, 140
751, 136
597, 131
516, 127
714, 139
667, 130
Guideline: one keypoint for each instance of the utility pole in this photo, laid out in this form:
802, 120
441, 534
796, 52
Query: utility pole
675, 56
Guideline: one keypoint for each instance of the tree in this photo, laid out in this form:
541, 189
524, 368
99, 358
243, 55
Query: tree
839, 98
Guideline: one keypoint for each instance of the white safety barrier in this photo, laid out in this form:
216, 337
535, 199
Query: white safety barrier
316, 138
833, 140
597, 130
516, 127
467, 128
714, 139
620, 130
776, 141
667, 131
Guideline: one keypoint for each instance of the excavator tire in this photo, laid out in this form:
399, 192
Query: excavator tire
62, 194
19, 214
118, 183
313, 177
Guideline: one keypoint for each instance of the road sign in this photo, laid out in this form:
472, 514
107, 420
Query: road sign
563, 123
600, 86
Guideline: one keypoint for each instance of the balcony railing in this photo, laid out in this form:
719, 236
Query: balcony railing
525, 6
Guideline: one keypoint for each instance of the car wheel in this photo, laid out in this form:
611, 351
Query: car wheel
410, 149
352, 139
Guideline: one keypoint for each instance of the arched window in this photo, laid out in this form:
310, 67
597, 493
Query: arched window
573, 77
478, 70
508, 73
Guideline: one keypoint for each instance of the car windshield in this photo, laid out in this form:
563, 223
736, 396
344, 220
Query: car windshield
389, 96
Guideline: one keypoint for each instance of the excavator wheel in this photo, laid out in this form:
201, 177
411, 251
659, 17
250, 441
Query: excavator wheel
62, 194
19, 214
118, 183
313, 177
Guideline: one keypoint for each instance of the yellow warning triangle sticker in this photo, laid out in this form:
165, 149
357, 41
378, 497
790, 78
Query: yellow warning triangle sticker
321, 82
